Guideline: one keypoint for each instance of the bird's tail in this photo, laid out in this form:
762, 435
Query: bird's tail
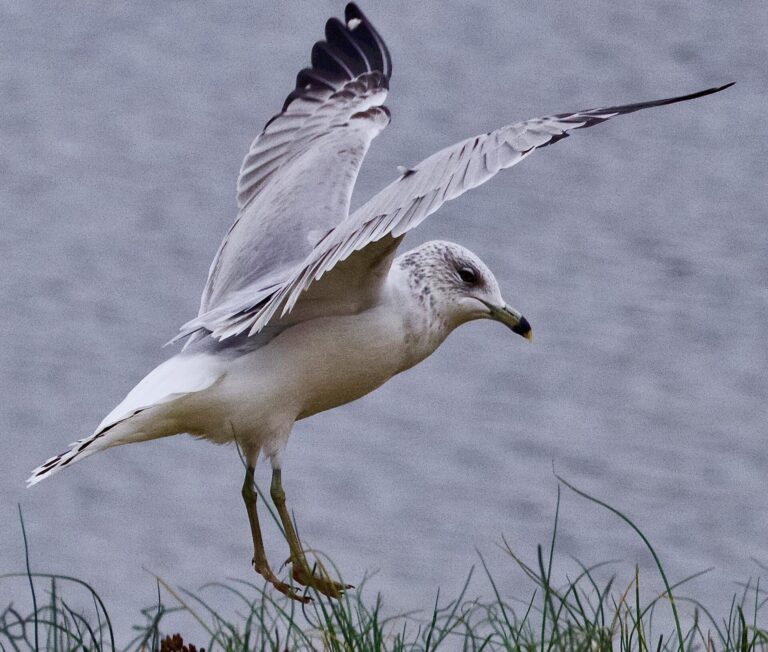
77, 451
141, 416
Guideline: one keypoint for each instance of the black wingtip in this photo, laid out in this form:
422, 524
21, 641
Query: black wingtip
693, 96
353, 12
350, 49
631, 108
709, 91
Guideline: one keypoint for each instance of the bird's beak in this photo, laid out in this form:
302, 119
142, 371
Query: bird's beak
511, 319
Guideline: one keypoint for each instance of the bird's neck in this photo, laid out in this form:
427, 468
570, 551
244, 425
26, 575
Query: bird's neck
425, 326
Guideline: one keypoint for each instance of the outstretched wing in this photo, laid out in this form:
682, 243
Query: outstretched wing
296, 182
376, 227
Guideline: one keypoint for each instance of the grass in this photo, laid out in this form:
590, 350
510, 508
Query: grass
582, 613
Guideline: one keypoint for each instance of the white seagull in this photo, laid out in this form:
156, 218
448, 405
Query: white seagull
306, 306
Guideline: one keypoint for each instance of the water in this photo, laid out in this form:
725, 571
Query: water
636, 249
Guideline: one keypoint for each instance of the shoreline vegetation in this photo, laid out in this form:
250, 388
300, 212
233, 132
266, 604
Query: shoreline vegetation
583, 613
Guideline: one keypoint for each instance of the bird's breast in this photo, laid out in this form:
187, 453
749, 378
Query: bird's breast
323, 363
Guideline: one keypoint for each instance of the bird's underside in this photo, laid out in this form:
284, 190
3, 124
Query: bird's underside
295, 255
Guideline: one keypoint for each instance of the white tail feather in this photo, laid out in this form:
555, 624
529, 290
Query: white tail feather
180, 375
78, 450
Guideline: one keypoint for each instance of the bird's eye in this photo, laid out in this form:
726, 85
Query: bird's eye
468, 275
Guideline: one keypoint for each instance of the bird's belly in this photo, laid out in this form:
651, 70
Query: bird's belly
323, 363
342, 383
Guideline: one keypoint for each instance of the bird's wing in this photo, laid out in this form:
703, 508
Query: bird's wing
375, 229
296, 181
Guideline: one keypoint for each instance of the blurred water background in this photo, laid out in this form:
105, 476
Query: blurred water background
638, 250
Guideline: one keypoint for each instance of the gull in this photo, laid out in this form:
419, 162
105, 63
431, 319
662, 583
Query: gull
307, 306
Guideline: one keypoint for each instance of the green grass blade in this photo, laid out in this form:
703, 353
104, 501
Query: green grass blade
628, 521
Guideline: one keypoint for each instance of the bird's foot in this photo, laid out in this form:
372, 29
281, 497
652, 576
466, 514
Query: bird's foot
320, 582
286, 589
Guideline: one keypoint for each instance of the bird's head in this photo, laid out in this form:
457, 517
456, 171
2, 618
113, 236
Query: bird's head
455, 284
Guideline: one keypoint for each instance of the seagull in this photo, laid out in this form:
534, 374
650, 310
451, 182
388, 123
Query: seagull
307, 305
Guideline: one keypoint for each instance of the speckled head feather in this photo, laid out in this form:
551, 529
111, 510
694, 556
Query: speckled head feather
450, 281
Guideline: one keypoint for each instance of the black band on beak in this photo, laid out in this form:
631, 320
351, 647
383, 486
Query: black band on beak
511, 319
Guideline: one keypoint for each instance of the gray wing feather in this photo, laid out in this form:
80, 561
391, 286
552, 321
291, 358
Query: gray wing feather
296, 181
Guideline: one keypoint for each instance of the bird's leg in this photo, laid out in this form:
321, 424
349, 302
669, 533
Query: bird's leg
301, 571
260, 564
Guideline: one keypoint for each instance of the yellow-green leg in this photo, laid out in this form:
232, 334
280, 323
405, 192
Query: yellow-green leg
260, 564
301, 571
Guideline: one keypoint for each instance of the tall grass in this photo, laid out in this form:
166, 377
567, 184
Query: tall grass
582, 613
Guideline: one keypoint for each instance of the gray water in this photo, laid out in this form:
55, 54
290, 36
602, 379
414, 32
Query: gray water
636, 249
